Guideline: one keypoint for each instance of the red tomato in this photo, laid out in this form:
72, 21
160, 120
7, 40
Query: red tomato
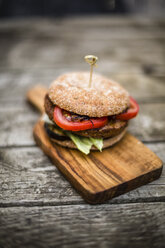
131, 112
63, 119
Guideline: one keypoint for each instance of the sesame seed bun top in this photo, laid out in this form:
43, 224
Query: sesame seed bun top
106, 97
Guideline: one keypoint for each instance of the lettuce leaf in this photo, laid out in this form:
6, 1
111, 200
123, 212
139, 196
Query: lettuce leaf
46, 119
98, 143
83, 144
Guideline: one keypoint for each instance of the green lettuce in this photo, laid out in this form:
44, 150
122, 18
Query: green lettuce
84, 144
98, 143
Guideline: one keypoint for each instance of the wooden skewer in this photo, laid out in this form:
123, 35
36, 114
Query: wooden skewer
91, 59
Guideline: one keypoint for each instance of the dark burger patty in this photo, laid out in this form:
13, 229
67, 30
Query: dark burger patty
112, 128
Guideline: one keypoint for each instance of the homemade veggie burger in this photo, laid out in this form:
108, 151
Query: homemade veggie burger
87, 118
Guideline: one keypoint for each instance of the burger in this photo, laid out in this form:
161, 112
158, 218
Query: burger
87, 118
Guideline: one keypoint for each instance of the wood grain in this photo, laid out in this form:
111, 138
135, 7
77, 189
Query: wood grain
145, 88
28, 178
79, 226
36, 96
102, 176
119, 47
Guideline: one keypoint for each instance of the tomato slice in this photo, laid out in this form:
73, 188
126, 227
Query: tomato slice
63, 120
131, 112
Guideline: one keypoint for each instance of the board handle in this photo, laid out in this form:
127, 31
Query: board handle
36, 97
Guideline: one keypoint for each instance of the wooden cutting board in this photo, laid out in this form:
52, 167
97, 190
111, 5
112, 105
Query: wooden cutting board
99, 176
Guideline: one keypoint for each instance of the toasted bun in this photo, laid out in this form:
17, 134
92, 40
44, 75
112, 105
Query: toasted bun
105, 97
107, 142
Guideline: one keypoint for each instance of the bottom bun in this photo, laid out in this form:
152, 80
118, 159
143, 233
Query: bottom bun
106, 142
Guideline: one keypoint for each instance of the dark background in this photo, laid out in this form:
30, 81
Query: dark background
58, 8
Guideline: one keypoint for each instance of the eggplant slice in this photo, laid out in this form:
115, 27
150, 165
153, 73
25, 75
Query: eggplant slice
55, 132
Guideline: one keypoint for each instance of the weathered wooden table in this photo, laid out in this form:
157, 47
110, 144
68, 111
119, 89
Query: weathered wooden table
38, 207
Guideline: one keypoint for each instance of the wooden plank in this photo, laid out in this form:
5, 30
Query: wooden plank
101, 176
80, 20
26, 28
100, 21
36, 45
145, 88
141, 225
28, 178
141, 126
16, 125
41, 52
37, 96
111, 46
104, 33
